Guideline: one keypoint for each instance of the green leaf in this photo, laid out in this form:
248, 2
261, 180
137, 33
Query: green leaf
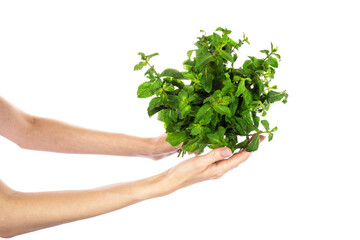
172, 73
270, 137
222, 110
175, 138
185, 111
242, 144
192, 145
206, 80
247, 96
226, 55
139, 66
143, 57
278, 56
229, 87
220, 29
241, 88
172, 100
189, 53
274, 129
196, 129
169, 88
274, 96
144, 90
188, 62
203, 60
226, 100
259, 87
241, 126
189, 75
207, 117
176, 82
203, 111
214, 138
254, 144
152, 55
216, 39
273, 62
153, 106
156, 85
265, 51
233, 106
256, 119
221, 132
265, 123
285, 97
173, 114
163, 115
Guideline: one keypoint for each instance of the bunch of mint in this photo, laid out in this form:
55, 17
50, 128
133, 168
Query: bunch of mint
212, 103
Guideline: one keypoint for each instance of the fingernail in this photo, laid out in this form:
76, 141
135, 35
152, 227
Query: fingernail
226, 152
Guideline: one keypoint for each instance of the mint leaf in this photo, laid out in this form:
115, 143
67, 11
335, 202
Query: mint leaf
274, 96
254, 144
172, 73
205, 109
139, 66
154, 106
226, 55
213, 138
207, 81
241, 88
265, 123
222, 110
270, 136
144, 90
273, 62
175, 138
203, 60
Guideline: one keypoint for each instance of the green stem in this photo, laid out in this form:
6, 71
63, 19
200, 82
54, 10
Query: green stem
271, 53
153, 69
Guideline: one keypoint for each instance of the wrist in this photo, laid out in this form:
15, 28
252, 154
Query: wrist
155, 186
142, 147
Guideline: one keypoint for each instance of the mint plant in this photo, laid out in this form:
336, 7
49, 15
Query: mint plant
213, 103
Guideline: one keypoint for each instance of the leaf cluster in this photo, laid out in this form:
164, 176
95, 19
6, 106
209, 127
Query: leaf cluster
212, 103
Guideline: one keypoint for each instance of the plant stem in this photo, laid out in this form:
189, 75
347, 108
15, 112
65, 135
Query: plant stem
153, 69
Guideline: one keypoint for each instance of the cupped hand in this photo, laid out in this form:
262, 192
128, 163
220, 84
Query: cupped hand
212, 165
159, 148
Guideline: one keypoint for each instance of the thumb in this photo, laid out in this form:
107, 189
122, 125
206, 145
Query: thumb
217, 154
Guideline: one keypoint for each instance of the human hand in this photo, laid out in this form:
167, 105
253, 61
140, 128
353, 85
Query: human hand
212, 165
159, 148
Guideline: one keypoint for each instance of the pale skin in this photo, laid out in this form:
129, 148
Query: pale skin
23, 212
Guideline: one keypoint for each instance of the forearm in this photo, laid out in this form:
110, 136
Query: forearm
51, 135
26, 212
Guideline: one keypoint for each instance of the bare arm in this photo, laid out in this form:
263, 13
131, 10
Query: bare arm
25, 212
36, 133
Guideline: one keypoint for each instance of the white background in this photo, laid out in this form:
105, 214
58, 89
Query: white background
73, 61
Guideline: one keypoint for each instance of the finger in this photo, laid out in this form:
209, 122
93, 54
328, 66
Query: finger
216, 155
236, 159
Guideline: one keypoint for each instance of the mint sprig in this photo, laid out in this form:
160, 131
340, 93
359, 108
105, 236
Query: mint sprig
212, 103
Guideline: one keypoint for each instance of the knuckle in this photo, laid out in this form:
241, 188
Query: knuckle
215, 155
